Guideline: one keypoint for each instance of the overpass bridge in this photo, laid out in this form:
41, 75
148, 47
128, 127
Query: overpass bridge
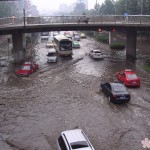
131, 24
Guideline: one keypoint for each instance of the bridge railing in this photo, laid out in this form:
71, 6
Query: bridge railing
135, 19
100, 19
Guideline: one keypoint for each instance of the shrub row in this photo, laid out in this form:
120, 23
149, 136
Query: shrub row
117, 46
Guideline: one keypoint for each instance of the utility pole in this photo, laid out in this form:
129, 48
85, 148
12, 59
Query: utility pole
96, 7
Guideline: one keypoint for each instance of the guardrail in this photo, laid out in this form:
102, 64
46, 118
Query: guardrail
117, 19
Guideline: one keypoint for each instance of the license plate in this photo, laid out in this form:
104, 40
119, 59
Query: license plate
134, 82
122, 97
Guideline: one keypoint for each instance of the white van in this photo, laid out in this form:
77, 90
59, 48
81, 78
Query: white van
52, 55
73, 139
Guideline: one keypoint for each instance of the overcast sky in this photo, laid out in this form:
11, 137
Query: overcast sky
54, 4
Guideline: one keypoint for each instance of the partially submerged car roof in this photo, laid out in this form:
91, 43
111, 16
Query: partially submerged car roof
74, 135
52, 50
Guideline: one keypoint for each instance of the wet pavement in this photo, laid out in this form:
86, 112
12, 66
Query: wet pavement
65, 95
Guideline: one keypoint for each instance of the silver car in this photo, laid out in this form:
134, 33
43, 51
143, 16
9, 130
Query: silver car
52, 55
74, 139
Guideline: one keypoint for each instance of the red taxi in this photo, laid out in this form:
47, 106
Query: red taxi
128, 78
27, 68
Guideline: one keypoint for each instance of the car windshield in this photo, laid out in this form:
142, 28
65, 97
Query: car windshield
77, 145
132, 76
25, 67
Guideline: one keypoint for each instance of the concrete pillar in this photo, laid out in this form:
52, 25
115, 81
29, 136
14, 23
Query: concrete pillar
131, 44
18, 53
112, 37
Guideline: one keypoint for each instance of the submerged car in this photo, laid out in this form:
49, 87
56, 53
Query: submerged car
27, 68
116, 92
82, 35
76, 37
73, 140
96, 54
75, 44
49, 44
128, 78
52, 56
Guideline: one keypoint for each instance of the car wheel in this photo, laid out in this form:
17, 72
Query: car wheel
109, 99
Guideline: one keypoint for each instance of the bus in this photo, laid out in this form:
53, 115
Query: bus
63, 45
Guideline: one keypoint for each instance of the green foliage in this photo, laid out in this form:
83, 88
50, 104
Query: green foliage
90, 33
7, 9
80, 8
108, 7
117, 46
147, 68
103, 39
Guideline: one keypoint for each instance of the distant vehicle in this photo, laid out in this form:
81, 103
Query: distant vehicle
52, 55
68, 35
96, 54
55, 33
44, 35
82, 35
75, 44
116, 92
128, 78
49, 44
63, 45
74, 140
76, 37
27, 68
2, 63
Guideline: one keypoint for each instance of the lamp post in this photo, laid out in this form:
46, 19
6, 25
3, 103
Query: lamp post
96, 7
24, 17
141, 11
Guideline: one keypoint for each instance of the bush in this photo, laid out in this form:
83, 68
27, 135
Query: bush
28, 39
117, 46
90, 33
103, 39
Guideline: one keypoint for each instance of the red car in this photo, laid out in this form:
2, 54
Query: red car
27, 69
128, 78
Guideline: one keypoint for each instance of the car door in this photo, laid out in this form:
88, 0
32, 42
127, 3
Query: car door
123, 77
107, 89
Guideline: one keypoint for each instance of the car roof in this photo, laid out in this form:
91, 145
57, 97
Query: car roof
52, 50
74, 135
96, 50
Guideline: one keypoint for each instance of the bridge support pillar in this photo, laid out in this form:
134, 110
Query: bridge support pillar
18, 49
112, 37
131, 44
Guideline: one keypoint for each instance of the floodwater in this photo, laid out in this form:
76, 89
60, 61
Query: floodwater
65, 95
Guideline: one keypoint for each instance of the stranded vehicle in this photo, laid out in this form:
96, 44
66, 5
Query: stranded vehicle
27, 68
128, 78
73, 140
116, 92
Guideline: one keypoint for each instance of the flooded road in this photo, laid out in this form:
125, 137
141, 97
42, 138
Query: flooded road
65, 95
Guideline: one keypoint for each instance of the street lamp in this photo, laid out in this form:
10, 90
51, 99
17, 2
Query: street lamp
24, 17
141, 7
96, 7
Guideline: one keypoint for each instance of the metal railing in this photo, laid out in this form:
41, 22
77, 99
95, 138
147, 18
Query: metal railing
117, 19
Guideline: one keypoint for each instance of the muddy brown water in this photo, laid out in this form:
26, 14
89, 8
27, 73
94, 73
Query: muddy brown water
66, 95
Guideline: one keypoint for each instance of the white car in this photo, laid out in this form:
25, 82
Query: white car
73, 139
52, 55
96, 54
49, 44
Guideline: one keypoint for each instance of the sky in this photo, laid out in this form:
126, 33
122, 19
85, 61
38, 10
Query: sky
54, 4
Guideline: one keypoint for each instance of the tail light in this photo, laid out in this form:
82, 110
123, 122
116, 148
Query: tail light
114, 96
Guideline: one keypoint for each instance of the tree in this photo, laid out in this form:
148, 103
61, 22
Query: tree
7, 9
80, 8
108, 7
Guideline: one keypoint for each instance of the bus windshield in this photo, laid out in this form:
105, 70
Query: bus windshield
65, 45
